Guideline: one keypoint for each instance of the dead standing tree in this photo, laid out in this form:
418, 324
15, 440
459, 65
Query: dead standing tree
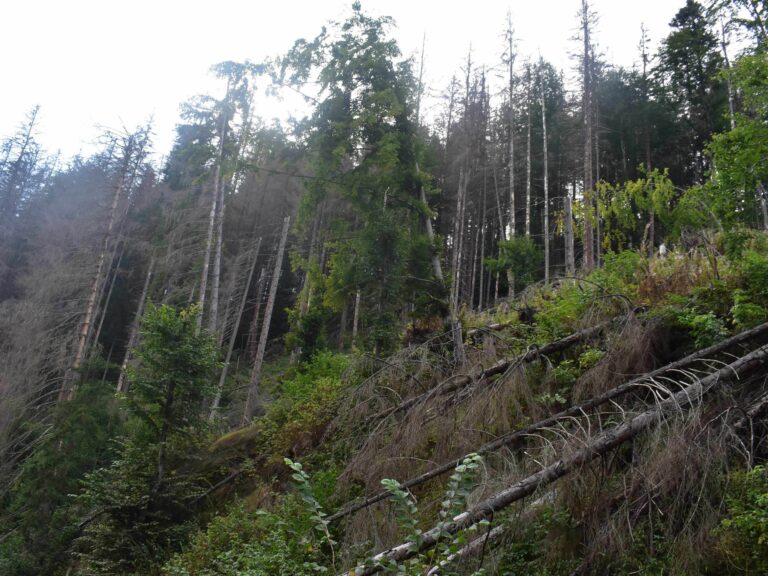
252, 402
133, 152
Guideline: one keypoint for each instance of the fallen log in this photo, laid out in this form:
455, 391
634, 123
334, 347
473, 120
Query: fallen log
602, 444
454, 383
514, 436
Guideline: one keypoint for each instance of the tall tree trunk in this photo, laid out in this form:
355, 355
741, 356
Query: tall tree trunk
588, 262
473, 276
528, 160
458, 234
103, 313
213, 318
570, 257
70, 384
763, 195
235, 328
647, 133
212, 229
482, 244
356, 317
253, 401
511, 160
728, 84
122, 385
253, 330
546, 176
437, 268
596, 200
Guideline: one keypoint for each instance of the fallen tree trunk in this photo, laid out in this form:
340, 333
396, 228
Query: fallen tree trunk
602, 444
454, 383
514, 436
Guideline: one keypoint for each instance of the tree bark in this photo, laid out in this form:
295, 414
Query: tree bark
233, 336
588, 262
252, 403
570, 257
601, 444
356, 317
499, 367
70, 385
122, 385
528, 159
515, 436
511, 160
546, 175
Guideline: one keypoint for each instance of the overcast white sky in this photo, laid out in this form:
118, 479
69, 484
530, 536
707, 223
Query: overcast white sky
103, 62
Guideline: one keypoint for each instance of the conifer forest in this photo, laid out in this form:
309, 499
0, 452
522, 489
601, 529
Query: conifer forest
519, 330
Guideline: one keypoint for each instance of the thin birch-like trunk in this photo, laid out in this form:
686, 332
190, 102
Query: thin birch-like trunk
546, 177
70, 385
233, 335
105, 307
570, 257
588, 261
253, 401
253, 330
511, 160
528, 164
122, 385
356, 317
212, 228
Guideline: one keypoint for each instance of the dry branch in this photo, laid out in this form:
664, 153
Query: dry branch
454, 383
516, 435
602, 444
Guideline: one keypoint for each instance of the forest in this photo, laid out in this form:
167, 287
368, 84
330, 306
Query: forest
523, 331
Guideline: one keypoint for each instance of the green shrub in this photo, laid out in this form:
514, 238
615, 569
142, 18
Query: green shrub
705, 329
743, 534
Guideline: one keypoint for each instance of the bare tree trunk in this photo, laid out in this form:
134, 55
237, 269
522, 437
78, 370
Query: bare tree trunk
122, 385
233, 336
103, 313
473, 277
647, 132
761, 192
596, 446
253, 330
458, 234
728, 84
528, 162
511, 161
70, 385
596, 200
213, 318
252, 403
588, 262
546, 174
570, 257
482, 245
356, 317
212, 228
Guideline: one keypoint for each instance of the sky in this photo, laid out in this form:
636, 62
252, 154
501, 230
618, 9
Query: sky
95, 64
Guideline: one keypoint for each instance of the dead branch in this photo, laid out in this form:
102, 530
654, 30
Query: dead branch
602, 444
454, 383
577, 410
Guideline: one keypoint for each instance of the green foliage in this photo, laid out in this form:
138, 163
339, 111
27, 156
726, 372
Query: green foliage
522, 256
540, 546
590, 357
38, 508
244, 543
705, 329
459, 488
138, 508
743, 533
364, 150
